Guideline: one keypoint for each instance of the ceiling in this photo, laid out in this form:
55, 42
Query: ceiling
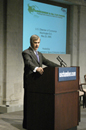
72, 2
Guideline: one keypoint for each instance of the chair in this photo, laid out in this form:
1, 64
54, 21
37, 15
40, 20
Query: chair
82, 93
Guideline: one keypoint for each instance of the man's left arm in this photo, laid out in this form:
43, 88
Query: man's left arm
49, 63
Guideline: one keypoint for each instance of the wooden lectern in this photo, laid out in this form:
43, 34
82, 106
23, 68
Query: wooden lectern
52, 104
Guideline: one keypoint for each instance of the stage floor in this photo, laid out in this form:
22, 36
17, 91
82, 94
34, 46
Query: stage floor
13, 121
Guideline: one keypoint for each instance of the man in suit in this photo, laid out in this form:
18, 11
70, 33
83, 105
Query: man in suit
33, 61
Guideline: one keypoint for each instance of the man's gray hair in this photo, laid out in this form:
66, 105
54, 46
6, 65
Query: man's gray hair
33, 37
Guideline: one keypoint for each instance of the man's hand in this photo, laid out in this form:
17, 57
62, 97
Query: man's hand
40, 70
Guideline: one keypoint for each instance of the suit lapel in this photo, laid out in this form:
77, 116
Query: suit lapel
33, 55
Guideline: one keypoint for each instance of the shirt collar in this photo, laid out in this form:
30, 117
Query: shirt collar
34, 50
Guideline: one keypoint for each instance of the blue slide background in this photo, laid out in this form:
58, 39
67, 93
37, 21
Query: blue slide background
49, 22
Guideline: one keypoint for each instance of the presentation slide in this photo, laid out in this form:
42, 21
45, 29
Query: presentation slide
47, 21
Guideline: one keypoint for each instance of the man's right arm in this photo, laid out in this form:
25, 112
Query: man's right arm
28, 62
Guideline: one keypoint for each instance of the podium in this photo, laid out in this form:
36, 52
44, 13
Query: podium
53, 104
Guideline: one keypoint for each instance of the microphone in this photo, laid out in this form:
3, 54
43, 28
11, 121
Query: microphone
61, 61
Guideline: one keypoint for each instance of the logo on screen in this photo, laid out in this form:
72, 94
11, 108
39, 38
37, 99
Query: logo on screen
34, 10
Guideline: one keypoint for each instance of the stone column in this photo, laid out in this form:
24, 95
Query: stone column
11, 68
74, 33
82, 43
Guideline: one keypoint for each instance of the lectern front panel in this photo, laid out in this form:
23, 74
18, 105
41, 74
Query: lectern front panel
68, 85
66, 110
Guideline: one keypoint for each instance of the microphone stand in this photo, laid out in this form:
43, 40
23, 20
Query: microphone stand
61, 61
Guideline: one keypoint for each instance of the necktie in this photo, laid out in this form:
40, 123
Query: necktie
37, 55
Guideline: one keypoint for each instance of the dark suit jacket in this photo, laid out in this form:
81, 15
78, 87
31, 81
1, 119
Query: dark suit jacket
30, 62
